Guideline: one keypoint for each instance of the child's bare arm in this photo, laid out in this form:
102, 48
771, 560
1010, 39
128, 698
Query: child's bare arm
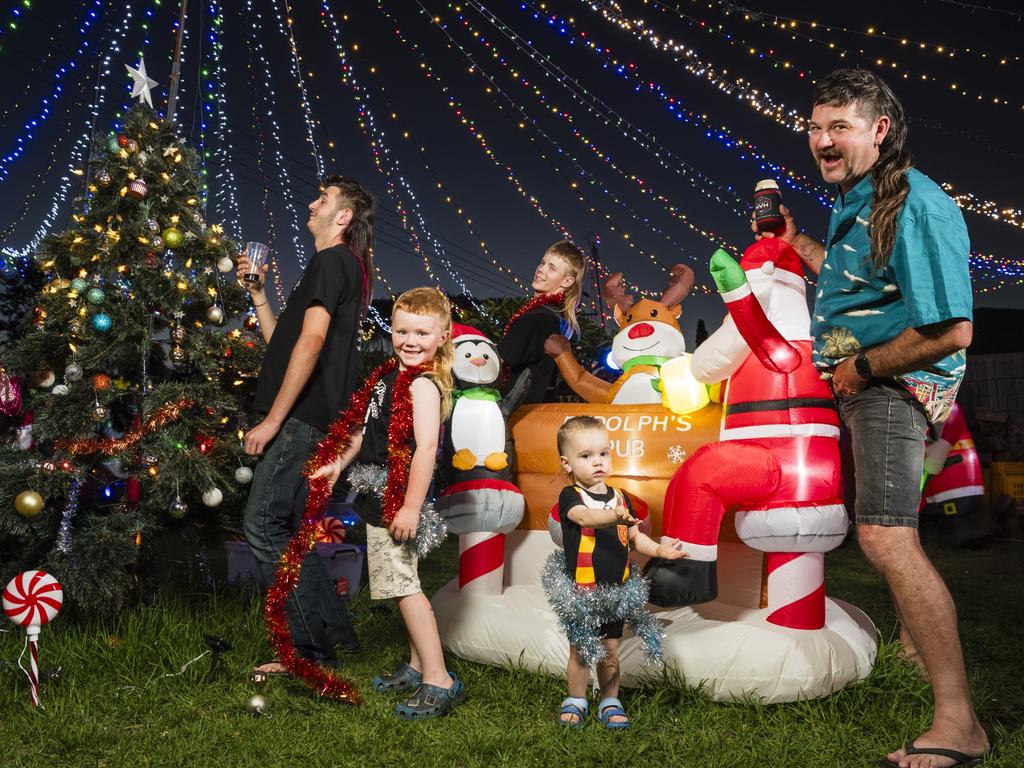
645, 545
426, 419
600, 518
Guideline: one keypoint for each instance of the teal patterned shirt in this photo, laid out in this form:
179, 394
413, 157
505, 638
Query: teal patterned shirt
927, 281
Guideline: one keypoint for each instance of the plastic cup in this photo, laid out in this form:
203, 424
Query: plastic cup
257, 253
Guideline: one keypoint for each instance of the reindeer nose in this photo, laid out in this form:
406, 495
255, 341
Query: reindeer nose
478, 361
640, 330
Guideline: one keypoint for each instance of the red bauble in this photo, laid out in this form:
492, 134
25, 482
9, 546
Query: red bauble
205, 443
123, 140
227, 353
101, 381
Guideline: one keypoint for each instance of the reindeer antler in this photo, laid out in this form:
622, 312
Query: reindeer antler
614, 292
680, 282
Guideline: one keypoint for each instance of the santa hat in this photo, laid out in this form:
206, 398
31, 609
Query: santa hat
769, 254
461, 333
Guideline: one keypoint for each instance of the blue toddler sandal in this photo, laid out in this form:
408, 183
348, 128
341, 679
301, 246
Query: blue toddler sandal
572, 707
609, 708
432, 700
405, 678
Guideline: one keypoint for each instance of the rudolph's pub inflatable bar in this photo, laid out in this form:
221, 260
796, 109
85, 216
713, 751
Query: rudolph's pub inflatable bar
746, 642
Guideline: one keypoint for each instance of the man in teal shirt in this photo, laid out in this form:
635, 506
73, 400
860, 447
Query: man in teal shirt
892, 320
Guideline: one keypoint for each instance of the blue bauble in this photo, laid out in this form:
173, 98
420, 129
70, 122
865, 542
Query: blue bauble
95, 296
101, 322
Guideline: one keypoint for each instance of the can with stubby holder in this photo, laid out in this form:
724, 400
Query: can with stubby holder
768, 207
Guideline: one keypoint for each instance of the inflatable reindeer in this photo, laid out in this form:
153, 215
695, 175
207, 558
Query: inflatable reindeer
649, 347
777, 459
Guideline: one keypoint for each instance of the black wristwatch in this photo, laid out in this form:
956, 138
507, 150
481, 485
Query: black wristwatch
863, 366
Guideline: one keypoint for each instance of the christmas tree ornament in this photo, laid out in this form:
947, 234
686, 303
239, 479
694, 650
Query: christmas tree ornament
153, 225
258, 677
250, 323
101, 322
10, 394
243, 475
61, 389
215, 314
137, 189
205, 443
143, 158
179, 333
178, 508
228, 353
31, 599
103, 177
114, 145
157, 243
122, 140
95, 296
48, 467
101, 381
148, 459
44, 379
257, 705
151, 258
225, 264
28, 503
141, 82
133, 146
73, 372
178, 354
75, 328
23, 437
213, 497
99, 412
152, 470
79, 286
172, 237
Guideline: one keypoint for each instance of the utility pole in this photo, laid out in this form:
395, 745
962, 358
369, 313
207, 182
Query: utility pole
172, 96
594, 238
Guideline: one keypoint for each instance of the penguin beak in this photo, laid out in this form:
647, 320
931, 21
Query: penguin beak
477, 361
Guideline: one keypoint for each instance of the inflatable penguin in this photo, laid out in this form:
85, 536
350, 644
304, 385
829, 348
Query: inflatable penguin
477, 498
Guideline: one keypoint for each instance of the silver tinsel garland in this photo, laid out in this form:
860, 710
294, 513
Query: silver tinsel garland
431, 529
70, 507
581, 612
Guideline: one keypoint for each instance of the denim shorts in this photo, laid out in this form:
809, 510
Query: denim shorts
887, 428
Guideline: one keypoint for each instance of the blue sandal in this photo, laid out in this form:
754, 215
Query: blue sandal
403, 679
609, 708
432, 701
574, 707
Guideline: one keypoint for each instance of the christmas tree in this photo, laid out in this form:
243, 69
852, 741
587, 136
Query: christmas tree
132, 384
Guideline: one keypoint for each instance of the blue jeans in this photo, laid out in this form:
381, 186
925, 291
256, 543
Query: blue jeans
317, 615
887, 428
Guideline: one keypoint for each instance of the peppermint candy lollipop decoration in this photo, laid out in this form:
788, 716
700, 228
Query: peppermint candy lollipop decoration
30, 600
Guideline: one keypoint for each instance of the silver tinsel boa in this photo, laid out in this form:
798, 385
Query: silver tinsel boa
581, 612
431, 529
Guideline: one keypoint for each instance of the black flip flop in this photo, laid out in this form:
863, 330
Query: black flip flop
963, 760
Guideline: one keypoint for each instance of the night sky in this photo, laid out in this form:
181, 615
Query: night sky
616, 138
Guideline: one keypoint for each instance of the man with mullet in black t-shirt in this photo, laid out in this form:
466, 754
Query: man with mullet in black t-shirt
308, 375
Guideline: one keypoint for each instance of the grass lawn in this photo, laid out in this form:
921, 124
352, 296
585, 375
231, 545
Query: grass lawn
119, 702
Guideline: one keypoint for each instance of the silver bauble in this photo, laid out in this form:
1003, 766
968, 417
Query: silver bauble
213, 497
225, 264
243, 475
179, 333
153, 225
73, 372
178, 509
156, 243
60, 389
99, 412
257, 704
215, 315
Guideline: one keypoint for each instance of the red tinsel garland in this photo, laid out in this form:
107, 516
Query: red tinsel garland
532, 304
400, 429
162, 416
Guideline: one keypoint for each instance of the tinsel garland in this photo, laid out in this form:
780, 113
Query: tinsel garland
321, 678
431, 529
70, 507
581, 612
532, 304
162, 416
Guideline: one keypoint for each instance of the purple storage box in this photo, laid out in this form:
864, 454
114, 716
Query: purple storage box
344, 564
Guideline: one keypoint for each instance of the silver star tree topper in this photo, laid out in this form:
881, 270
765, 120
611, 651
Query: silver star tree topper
141, 82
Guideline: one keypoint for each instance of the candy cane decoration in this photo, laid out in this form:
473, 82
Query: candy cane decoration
796, 589
481, 563
30, 600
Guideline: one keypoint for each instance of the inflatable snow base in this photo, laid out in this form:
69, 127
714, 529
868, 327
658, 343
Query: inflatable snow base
729, 651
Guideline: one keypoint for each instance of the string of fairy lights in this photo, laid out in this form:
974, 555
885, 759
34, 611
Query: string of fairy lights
221, 157
582, 96
747, 92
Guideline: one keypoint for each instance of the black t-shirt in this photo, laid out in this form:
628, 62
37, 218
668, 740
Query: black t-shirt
333, 279
523, 347
374, 448
611, 543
